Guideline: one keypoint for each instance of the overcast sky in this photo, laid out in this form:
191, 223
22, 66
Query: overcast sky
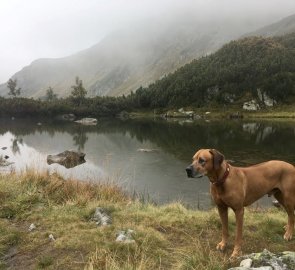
32, 29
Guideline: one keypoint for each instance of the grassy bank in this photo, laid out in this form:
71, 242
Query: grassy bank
166, 237
220, 112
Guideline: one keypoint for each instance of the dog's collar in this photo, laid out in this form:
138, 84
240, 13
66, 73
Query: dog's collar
221, 181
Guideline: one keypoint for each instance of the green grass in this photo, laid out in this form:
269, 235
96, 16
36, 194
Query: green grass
166, 237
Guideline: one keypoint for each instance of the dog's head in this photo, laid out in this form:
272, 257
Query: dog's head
205, 161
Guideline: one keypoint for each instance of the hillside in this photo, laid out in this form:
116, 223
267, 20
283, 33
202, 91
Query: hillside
282, 27
234, 72
129, 58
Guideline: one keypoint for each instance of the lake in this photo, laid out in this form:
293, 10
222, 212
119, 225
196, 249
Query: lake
112, 151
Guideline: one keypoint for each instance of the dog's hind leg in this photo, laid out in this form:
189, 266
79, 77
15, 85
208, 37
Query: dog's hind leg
290, 226
288, 203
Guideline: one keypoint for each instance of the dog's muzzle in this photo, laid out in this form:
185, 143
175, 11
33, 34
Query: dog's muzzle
191, 173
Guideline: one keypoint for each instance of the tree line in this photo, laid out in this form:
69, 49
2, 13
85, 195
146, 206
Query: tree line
234, 72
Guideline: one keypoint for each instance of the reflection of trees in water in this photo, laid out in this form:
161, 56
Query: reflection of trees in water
238, 140
80, 139
15, 145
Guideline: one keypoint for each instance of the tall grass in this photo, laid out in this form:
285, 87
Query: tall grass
166, 237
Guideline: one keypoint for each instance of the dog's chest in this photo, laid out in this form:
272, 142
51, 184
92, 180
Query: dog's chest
222, 196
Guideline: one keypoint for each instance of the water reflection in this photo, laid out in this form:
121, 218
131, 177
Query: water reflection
111, 150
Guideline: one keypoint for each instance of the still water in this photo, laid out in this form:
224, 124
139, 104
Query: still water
112, 151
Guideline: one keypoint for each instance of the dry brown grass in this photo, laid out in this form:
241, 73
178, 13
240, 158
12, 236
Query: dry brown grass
167, 237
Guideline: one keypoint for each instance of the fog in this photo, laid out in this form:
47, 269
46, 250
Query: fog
35, 29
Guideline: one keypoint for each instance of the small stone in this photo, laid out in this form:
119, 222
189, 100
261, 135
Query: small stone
101, 217
125, 236
51, 237
246, 263
4, 148
32, 227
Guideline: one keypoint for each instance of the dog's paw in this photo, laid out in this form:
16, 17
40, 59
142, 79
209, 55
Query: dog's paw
236, 253
288, 235
221, 246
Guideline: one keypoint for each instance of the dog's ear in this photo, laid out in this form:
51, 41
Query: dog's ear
218, 158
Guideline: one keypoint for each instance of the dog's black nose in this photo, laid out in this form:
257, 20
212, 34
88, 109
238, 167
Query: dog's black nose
189, 171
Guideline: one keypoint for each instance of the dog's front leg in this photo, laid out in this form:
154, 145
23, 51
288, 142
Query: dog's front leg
239, 231
223, 213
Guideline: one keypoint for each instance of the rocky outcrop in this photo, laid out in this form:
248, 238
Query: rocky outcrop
68, 159
268, 261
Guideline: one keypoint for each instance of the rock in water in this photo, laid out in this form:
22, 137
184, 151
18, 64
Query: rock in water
87, 121
68, 159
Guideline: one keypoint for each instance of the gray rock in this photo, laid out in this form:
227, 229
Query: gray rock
268, 260
68, 159
4, 148
246, 263
51, 237
251, 105
101, 217
32, 227
87, 121
125, 236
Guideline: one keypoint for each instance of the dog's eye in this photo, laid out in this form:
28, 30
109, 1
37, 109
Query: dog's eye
202, 161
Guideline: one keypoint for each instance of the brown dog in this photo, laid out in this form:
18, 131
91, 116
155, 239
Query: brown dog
236, 187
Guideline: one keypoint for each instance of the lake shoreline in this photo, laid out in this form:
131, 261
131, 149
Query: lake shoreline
167, 237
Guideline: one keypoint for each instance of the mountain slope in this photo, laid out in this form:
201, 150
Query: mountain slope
127, 59
282, 27
234, 72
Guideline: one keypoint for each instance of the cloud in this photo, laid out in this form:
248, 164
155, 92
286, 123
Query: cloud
34, 29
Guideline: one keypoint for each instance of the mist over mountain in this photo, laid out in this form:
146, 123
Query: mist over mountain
131, 57
282, 27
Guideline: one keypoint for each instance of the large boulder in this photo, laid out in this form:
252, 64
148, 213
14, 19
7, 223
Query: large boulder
68, 159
